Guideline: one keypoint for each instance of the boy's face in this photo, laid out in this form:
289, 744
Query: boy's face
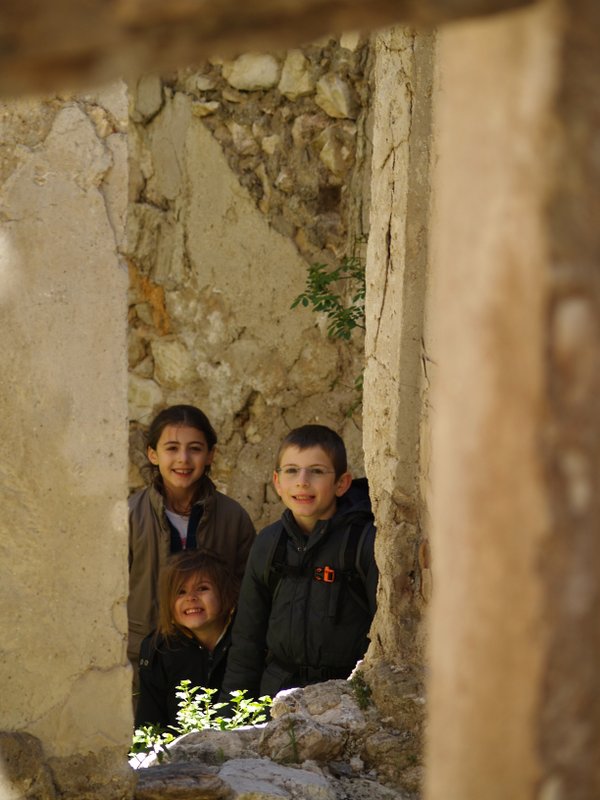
306, 482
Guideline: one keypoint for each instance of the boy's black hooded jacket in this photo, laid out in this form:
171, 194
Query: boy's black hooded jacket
304, 630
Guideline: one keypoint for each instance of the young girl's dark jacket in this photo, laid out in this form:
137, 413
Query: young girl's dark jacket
164, 663
217, 523
304, 629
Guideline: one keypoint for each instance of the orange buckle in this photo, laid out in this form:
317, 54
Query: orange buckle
325, 574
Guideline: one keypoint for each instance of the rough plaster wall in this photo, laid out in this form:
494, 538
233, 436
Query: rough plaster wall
394, 379
63, 537
491, 516
230, 187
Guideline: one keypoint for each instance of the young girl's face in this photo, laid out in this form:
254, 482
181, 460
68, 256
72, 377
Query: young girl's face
182, 456
198, 608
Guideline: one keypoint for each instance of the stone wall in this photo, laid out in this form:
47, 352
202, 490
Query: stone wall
514, 635
243, 174
63, 534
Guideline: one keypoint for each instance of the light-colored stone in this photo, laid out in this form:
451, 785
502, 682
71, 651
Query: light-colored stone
333, 153
144, 368
252, 72
180, 782
296, 76
167, 135
296, 737
200, 83
148, 97
351, 40
270, 144
214, 746
173, 363
334, 96
316, 365
144, 396
329, 703
204, 109
257, 779
306, 126
243, 140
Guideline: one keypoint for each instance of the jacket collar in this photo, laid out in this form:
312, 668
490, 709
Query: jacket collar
206, 496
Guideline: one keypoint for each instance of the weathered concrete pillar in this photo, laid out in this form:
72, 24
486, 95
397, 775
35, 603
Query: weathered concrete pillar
395, 379
65, 712
515, 642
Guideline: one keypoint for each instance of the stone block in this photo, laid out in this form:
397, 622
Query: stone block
262, 780
296, 737
173, 363
180, 782
251, 72
144, 396
148, 98
100, 775
204, 109
335, 97
23, 775
296, 76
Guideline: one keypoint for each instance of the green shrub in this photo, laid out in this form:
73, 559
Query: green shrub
197, 712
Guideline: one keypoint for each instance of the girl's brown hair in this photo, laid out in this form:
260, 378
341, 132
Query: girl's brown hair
179, 569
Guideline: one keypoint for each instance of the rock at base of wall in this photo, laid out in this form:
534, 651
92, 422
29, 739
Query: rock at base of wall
24, 775
181, 781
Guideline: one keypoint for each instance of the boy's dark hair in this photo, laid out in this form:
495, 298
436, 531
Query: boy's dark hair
317, 436
191, 417
182, 566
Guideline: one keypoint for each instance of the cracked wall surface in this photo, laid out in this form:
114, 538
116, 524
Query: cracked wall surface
395, 386
244, 172
63, 412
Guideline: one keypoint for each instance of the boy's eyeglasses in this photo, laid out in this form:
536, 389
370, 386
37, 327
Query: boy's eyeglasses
314, 472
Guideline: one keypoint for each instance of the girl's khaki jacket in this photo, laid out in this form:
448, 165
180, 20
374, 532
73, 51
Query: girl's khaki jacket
224, 527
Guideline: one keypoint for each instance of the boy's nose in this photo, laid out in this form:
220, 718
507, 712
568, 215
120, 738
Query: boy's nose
304, 475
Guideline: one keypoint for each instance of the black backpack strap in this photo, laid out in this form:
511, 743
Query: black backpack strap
276, 566
350, 559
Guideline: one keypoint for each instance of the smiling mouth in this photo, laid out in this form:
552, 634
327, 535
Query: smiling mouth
193, 611
182, 471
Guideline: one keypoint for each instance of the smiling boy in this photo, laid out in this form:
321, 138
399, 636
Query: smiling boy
308, 594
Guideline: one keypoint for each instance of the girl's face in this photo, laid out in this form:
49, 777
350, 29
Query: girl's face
182, 456
198, 608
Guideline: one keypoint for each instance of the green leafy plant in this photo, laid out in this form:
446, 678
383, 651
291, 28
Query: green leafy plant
150, 739
362, 690
197, 712
293, 742
338, 292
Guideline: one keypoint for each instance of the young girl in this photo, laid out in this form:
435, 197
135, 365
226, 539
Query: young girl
197, 599
180, 510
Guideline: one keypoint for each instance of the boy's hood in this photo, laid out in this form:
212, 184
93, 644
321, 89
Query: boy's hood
355, 499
